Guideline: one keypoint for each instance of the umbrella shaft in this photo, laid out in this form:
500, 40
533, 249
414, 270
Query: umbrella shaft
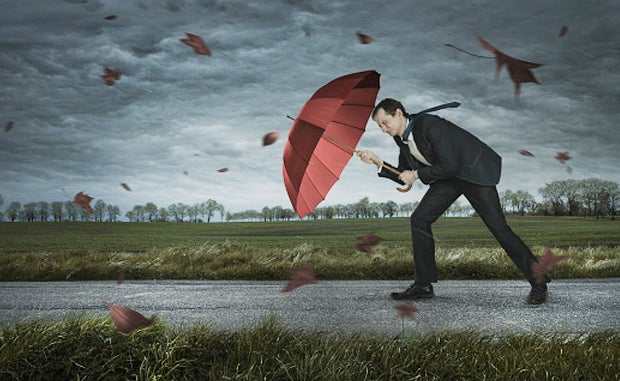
353, 150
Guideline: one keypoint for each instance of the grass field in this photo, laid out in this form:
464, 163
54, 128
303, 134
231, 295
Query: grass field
263, 250
91, 349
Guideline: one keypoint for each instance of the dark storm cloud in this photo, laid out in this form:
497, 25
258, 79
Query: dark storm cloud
174, 111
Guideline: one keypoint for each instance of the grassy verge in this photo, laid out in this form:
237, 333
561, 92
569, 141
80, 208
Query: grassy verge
90, 348
230, 260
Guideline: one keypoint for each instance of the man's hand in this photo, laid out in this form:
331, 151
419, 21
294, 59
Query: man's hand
408, 177
369, 157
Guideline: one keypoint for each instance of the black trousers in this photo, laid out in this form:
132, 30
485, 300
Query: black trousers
485, 201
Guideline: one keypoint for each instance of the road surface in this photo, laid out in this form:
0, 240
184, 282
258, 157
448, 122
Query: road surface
497, 307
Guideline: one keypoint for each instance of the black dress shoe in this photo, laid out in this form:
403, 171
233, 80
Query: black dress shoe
415, 291
538, 294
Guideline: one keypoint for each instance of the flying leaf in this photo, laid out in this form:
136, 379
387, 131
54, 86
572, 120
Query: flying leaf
110, 76
546, 263
186, 173
8, 126
518, 70
270, 138
300, 277
563, 30
197, 43
83, 200
124, 185
222, 170
126, 319
526, 153
562, 157
110, 17
406, 309
366, 242
364, 38
569, 169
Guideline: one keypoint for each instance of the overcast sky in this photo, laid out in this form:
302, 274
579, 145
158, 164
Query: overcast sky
175, 117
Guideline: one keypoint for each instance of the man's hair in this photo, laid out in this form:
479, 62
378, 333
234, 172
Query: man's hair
390, 106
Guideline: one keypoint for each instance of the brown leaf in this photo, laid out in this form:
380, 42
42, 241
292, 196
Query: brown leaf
222, 170
364, 38
110, 76
83, 200
518, 70
366, 242
563, 30
406, 309
562, 157
197, 43
546, 263
110, 17
8, 126
300, 277
124, 185
126, 319
526, 153
270, 138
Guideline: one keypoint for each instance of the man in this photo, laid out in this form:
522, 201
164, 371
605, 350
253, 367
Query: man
453, 162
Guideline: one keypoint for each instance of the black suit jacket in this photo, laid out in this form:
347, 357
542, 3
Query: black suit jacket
451, 151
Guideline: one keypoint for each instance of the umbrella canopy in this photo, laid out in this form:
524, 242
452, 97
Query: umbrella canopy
319, 143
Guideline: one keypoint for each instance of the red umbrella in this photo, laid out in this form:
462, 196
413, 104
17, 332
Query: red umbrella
324, 135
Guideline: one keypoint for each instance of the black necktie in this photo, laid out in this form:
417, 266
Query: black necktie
440, 107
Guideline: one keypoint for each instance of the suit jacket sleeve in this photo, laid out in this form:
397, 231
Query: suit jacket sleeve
402, 165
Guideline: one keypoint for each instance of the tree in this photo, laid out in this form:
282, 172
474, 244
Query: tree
163, 215
523, 201
30, 210
506, 198
151, 211
72, 210
389, 208
208, 208
553, 192
57, 211
1, 202
113, 212
13, 210
100, 208
138, 213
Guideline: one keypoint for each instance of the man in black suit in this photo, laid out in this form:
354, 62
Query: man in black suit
453, 162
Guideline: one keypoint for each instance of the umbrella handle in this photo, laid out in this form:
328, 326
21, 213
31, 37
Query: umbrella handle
404, 190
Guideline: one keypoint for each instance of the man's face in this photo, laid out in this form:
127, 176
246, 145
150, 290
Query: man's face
391, 124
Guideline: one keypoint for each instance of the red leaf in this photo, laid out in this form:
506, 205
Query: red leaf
126, 186
546, 263
526, 153
406, 309
197, 43
563, 30
110, 17
83, 200
364, 38
300, 277
222, 170
366, 242
562, 157
110, 76
270, 138
126, 319
8, 126
518, 70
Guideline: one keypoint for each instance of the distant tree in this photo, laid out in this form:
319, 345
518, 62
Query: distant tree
151, 211
192, 212
72, 210
12, 211
30, 210
1, 202
505, 199
138, 212
266, 214
208, 208
553, 193
57, 211
100, 208
130, 216
220, 208
523, 201
389, 208
163, 215
113, 212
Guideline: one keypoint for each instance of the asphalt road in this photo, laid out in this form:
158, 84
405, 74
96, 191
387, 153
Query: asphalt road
497, 307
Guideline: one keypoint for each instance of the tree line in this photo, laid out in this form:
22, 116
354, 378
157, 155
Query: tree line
588, 197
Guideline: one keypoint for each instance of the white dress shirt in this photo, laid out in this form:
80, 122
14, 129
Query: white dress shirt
413, 148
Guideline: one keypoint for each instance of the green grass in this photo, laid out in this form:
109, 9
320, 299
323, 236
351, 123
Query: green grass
264, 251
81, 348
